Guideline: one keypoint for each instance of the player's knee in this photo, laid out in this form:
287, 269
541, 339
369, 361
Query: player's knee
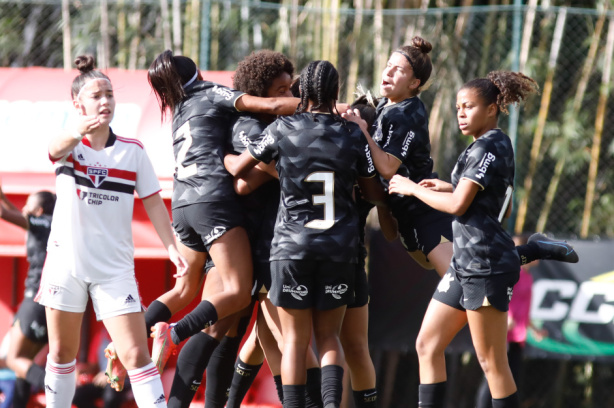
355, 349
134, 357
61, 355
426, 347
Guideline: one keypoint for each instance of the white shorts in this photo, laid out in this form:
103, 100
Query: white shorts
65, 292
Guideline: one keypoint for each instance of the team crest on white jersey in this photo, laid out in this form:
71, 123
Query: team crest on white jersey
97, 175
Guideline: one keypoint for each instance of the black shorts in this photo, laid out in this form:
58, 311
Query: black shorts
301, 284
361, 287
198, 225
474, 292
425, 231
32, 320
262, 277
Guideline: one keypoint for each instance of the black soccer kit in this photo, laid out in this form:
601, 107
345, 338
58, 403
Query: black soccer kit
401, 130
318, 158
204, 202
31, 315
485, 261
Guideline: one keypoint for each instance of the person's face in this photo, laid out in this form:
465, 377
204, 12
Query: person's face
474, 117
96, 98
280, 86
398, 80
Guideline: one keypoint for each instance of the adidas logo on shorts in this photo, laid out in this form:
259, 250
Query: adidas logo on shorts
160, 399
129, 299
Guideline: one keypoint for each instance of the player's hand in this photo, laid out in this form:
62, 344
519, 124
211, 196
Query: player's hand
87, 123
401, 185
436, 185
180, 262
353, 115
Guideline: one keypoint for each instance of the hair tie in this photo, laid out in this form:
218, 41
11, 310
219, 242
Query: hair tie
191, 80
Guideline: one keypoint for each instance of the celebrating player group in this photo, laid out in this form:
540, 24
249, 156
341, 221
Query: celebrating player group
273, 182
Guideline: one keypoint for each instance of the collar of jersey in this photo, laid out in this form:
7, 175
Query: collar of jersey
110, 140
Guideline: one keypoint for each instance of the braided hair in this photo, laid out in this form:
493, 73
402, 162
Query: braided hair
87, 68
319, 83
503, 88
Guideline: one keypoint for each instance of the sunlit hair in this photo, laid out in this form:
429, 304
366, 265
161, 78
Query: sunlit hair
256, 72
417, 54
319, 83
503, 88
87, 68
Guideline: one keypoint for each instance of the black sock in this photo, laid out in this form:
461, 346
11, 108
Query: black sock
365, 398
36, 376
313, 391
507, 402
279, 387
294, 396
156, 312
431, 395
220, 371
21, 393
191, 364
242, 379
332, 386
203, 316
527, 253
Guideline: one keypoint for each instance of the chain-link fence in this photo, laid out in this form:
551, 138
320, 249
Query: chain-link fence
564, 138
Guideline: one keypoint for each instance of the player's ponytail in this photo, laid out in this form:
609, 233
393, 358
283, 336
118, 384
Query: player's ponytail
87, 68
417, 54
169, 76
503, 88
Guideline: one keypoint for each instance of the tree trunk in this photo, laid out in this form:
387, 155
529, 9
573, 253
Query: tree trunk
527, 33
66, 43
122, 43
536, 147
604, 92
577, 103
104, 60
379, 58
354, 40
166, 28
135, 22
177, 26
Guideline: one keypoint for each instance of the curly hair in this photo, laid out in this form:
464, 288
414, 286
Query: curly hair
256, 72
503, 88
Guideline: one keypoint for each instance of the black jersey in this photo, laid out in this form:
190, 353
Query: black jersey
402, 131
36, 249
481, 245
261, 205
318, 159
200, 128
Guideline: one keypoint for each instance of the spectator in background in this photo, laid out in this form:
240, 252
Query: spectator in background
518, 323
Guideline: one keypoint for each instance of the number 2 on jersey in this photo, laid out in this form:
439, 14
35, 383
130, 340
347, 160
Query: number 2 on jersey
187, 171
327, 199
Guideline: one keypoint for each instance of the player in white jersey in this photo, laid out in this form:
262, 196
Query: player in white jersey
90, 250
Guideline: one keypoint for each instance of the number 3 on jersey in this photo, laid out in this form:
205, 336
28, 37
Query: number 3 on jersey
327, 199
187, 171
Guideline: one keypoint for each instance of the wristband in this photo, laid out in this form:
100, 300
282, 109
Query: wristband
76, 135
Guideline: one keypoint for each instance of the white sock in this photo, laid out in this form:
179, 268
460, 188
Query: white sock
60, 383
147, 387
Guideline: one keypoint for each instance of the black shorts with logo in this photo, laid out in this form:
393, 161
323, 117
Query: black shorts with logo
361, 287
302, 284
424, 231
198, 225
32, 320
474, 292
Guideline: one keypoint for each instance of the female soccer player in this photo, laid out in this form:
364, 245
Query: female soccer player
315, 248
90, 250
478, 285
29, 332
207, 216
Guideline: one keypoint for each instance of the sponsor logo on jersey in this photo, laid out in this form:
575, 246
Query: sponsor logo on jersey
97, 175
297, 292
80, 157
484, 163
129, 299
408, 139
243, 138
215, 233
370, 167
96, 198
444, 283
225, 92
267, 140
81, 194
336, 291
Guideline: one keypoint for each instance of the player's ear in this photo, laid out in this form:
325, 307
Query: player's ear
77, 106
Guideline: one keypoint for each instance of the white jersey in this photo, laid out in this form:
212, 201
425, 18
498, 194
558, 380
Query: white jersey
92, 220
